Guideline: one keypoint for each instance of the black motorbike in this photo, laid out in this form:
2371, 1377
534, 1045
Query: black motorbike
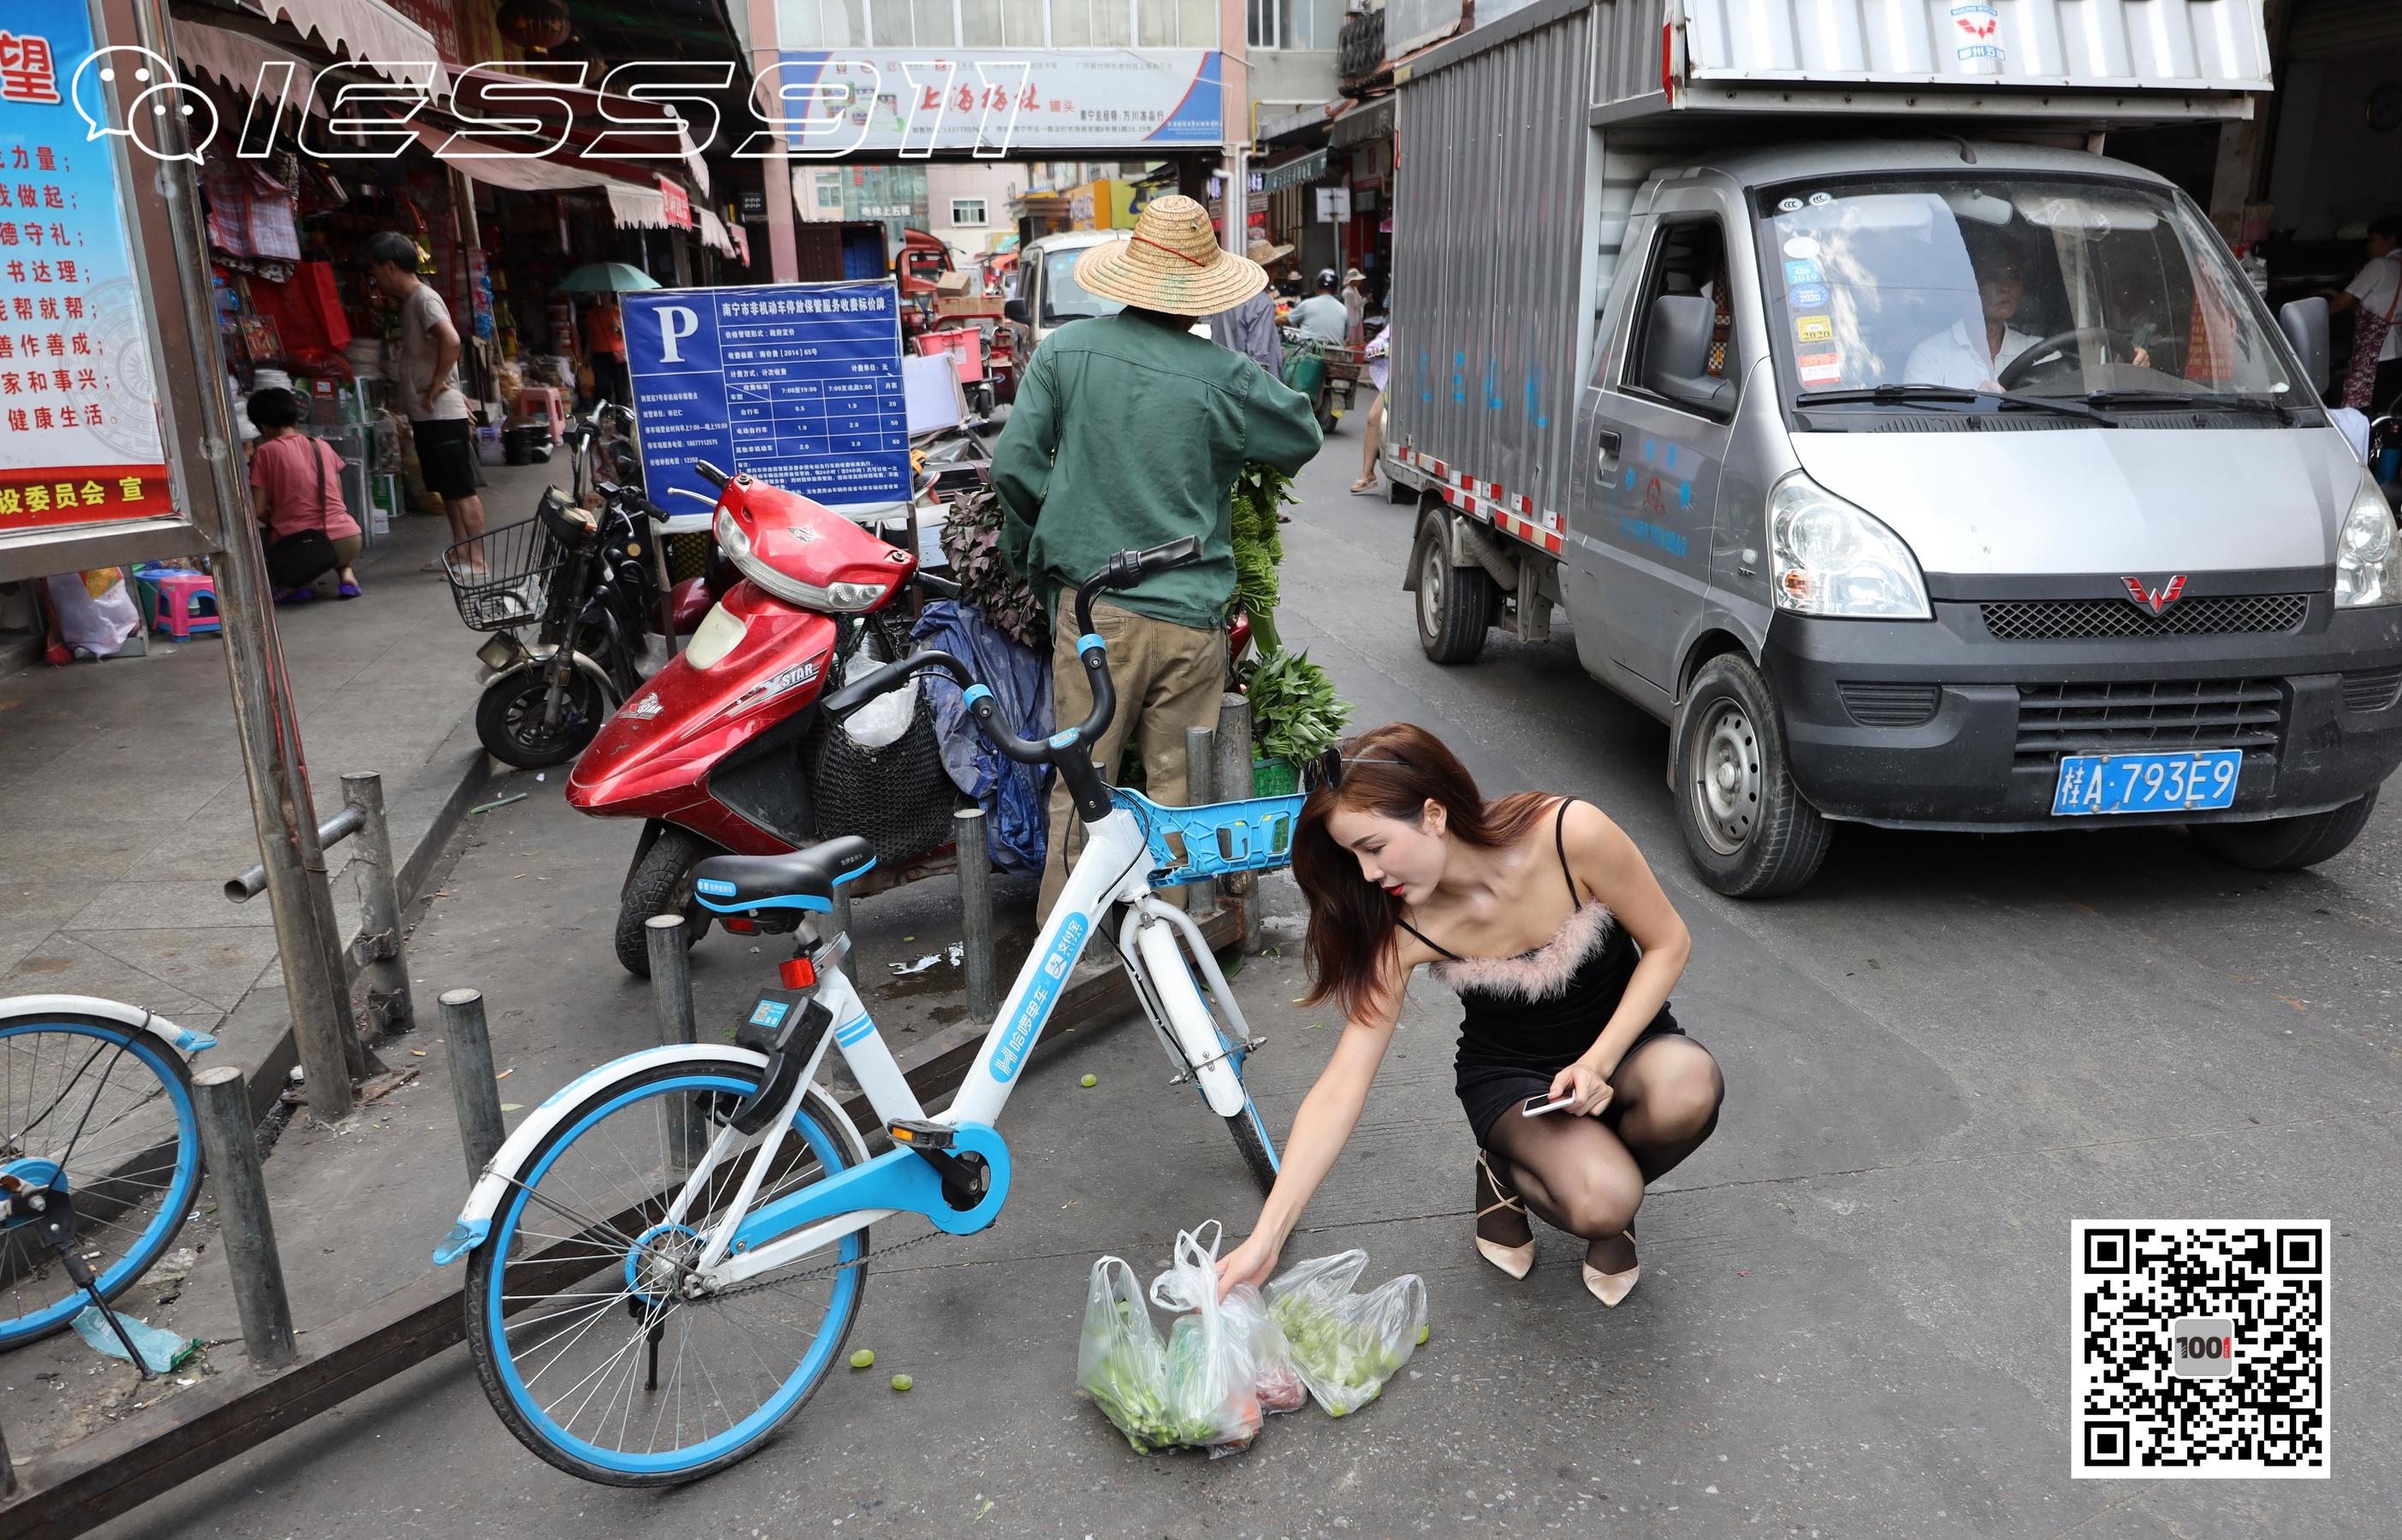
586, 583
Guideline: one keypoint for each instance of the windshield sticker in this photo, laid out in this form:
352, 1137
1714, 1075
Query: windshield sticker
1790, 205
1814, 328
1819, 368
1807, 296
1803, 272
1801, 246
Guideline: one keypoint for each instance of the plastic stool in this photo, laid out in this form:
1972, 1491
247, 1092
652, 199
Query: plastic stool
187, 605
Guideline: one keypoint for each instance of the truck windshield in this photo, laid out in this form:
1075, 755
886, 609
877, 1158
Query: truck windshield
1064, 300
2114, 296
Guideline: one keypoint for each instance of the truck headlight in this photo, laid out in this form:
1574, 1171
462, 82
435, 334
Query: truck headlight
1831, 558
2367, 556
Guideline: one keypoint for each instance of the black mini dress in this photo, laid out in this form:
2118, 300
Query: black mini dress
1528, 1016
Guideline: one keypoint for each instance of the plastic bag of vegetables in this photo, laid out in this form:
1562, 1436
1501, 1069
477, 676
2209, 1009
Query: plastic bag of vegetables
1274, 1377
1191, 1391
1210, 1362
1345, 1345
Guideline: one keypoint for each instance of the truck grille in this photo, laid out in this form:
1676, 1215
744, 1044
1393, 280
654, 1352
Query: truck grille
2125, 719
2371, 689
2065, 619
1874, 704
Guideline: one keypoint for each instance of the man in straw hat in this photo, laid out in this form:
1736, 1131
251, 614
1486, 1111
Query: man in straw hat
1251, 327
1126, 433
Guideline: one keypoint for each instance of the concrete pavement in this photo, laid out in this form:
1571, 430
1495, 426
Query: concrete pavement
1851, 1317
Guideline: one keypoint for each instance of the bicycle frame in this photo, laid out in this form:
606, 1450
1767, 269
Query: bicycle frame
1116, 866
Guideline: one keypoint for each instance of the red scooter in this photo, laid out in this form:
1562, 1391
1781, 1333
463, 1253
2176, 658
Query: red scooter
709, 752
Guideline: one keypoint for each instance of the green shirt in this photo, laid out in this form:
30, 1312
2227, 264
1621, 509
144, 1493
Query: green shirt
1127, 432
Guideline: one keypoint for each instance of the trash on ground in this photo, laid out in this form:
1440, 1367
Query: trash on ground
1347, 1345
911, 969
177, 1263
486, 807
161, 1350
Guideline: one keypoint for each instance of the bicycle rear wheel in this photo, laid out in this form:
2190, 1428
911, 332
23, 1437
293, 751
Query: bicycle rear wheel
102, 1112
585, 1348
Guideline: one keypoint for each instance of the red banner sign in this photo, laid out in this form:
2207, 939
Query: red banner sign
675, 204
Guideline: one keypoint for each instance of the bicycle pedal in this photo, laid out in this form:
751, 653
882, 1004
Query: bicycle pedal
918, 1133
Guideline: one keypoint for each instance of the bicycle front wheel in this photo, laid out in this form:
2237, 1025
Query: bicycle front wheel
588, 1350
103, 1113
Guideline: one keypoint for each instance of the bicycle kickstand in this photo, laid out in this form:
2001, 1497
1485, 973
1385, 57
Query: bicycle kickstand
59, 1231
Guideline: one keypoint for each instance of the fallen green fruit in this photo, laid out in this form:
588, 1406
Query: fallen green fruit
1089, 1081
902, 1381
864, 1358
1422, 1334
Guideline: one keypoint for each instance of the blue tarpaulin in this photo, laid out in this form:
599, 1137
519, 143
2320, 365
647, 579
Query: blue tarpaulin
1015, 796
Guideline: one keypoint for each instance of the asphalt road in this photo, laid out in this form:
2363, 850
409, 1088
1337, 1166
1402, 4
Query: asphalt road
1855, 1312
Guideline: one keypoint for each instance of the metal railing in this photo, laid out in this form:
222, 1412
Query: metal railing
1360, 51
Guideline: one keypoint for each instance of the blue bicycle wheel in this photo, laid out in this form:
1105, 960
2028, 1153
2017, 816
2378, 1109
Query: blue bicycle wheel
102, 1112
589, 1343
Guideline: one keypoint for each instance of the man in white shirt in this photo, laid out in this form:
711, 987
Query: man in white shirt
1954, 356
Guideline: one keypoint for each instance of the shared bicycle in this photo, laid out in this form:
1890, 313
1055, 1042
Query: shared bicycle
664, 1260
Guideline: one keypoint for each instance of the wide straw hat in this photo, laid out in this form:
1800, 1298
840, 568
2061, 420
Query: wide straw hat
1263, 253
1173, 264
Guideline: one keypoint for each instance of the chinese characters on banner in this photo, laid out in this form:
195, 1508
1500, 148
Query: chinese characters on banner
80, 439
797, 383
675, 204
1025, 98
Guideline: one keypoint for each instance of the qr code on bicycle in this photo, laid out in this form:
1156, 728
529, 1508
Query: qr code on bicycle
2199, 1348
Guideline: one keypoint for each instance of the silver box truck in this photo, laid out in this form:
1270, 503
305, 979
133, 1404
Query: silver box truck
1920, 465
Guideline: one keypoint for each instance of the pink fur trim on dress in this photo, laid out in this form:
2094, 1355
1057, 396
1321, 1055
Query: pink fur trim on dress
1541, 974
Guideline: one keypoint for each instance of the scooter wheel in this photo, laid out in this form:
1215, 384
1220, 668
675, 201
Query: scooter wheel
660, 883
509, 719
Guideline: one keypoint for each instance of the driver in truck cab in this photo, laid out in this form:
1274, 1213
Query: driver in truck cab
1952, 356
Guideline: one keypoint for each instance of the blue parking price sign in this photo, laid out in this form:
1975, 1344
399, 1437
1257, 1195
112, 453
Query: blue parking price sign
799, 384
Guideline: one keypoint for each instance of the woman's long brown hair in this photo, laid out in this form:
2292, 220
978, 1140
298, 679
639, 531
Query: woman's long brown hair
1352, 922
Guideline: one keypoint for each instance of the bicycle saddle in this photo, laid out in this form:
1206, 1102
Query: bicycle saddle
804, 879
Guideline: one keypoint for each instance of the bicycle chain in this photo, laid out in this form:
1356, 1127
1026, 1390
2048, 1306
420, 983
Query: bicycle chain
826, 1271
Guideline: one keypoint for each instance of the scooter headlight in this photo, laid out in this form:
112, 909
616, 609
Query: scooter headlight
834, 598
2367, 555
1831, 558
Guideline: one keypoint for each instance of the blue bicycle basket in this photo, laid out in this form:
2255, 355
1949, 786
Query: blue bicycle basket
1216, 839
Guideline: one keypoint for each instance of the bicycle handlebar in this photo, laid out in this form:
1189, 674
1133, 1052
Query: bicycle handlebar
710, 473
1124, 569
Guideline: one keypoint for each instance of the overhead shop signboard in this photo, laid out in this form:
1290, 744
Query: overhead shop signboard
799, 384
999, 101
79, 437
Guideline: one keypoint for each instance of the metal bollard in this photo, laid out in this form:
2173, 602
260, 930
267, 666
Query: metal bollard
473, 1091
1200, 788
383, 970
671, 977
230, 1144
975, 911
1234, 782
672, 1001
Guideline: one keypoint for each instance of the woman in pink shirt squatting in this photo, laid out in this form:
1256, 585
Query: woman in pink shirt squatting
296, 483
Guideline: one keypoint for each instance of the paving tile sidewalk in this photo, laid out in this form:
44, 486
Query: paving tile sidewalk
123, 807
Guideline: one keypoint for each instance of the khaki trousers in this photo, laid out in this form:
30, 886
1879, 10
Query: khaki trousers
1168, 676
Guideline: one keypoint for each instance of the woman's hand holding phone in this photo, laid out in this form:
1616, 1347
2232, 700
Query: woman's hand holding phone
1585, 1088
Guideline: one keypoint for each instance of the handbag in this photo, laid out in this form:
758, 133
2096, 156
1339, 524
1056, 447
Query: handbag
304, 556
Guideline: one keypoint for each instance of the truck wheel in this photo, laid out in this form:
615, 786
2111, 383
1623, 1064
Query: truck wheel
1455, 603
2285, 844
1748, 831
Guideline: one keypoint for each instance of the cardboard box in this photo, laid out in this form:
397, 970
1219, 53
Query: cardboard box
980, 305
951, 284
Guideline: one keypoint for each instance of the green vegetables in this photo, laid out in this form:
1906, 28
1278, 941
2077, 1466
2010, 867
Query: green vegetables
972, 542
1344, 1361
1295, 716
1260, 490
1150, 1394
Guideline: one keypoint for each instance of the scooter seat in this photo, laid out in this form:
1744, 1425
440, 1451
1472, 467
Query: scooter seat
806, 879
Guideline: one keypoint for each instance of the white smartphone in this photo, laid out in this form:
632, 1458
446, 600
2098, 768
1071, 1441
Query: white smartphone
1536, 1106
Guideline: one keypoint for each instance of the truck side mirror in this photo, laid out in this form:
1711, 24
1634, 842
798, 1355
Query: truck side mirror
1676, 354
1015, 310
2304, 322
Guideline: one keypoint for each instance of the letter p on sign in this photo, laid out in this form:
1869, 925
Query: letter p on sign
676, 322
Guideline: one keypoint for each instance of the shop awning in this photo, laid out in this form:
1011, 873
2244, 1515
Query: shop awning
713, 231
631, 206
1365, 121
1291, 173
370, 32
234, 58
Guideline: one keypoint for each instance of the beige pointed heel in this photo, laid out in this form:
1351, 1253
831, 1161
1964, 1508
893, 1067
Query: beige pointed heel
1611, 1288
1518, 1261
